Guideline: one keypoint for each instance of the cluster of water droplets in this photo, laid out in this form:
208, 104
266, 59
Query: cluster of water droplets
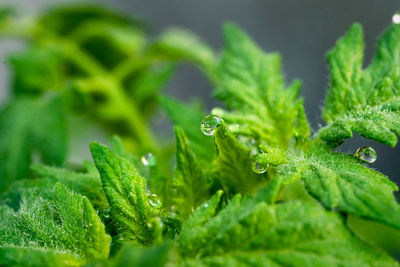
210, 123
366, 154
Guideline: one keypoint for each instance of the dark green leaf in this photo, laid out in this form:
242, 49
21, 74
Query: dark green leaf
190, 185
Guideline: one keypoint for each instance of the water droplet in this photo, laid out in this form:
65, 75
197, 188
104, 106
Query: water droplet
154, 200
366, 153
258, 168
396, 19
149, 160
209, 124
205, 205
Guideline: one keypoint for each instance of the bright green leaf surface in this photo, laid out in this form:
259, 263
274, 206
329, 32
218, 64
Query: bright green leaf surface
340, 181
364, 101
86, 184
65, 227
127, 196
253, 233
251, 84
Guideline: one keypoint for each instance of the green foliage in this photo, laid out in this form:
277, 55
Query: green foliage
136, 217
30, 130
64, 227
252, 232
156, 256
233, 164
363, 101
99, 57
208, 204
251, 84
86, 184
202, 146
190, 184
179, 44
352, 188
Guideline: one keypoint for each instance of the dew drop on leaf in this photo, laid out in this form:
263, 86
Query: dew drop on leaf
366, 153
258, 168
396, 18
209, 124
154, 200
148, 160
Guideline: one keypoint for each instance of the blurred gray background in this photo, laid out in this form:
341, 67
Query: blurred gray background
302, 31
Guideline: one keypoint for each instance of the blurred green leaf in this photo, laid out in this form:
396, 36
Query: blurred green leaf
31, 130
179, 44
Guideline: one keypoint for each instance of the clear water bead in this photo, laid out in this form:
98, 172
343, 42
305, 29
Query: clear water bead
209, 124
148, 160
258, 168
396, 18
154, 200
366, 153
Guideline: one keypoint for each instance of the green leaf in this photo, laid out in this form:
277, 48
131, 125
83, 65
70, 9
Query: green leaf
146, 86
156, 256
86, 184
202, 145
233, 165
65, 227
125, 189
64, 20
198, 218
30, 128
190, 185
252, 233
37, 69
363, 101
179, 44
21, 256
339, 181
251, 85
